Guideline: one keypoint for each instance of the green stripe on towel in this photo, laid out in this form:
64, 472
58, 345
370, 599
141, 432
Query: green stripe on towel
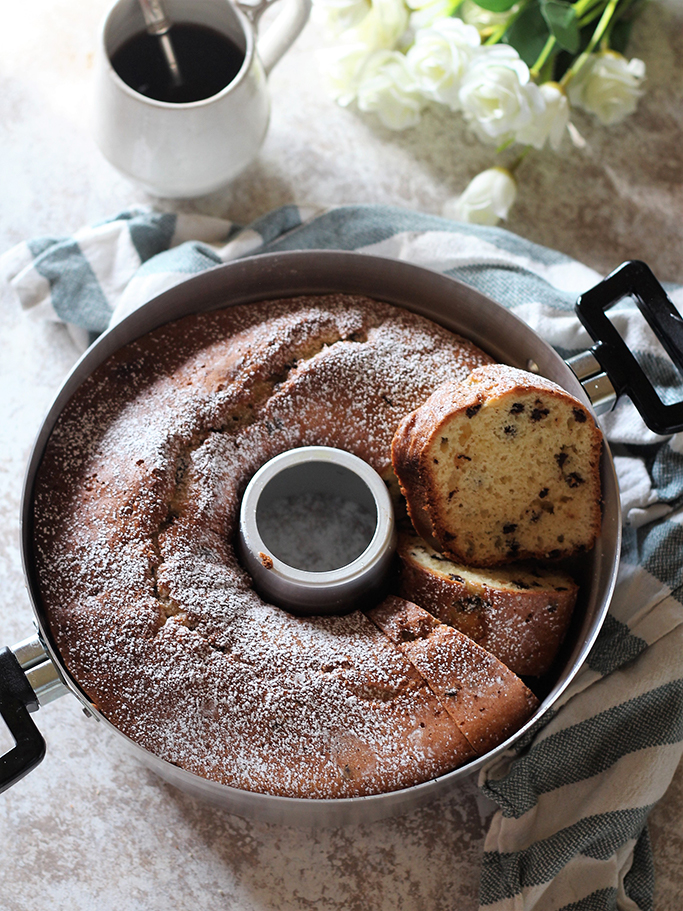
598, 837
590, 747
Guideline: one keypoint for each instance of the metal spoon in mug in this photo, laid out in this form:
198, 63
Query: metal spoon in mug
158, 23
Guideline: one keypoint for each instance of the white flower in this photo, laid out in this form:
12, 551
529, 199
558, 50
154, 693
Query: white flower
551, 123
383, 25
425, 12
486, 199
439, 58
377, 24
341, 15
342, 67
608, 86
388, 89
496, 95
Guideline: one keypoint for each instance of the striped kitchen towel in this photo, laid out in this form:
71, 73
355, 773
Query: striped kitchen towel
573, 798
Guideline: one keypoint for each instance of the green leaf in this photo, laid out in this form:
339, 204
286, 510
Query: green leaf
496, 6
562, 22
528, 34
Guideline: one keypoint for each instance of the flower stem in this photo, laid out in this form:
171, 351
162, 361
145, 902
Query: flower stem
589, 17
583, 6
620, 14
542, 57
498, 33
520, 158
607, 14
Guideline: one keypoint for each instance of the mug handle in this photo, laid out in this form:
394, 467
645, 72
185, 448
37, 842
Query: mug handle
282, 32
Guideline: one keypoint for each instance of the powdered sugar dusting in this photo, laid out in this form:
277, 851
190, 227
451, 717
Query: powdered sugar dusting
518, 612
135, 508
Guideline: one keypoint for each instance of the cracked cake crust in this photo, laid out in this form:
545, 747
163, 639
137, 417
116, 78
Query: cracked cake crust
135, 513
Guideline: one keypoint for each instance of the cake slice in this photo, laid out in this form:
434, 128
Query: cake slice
485, 699
519, 612
500, 467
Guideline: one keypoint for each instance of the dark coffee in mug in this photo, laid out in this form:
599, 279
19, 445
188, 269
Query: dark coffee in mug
208, 61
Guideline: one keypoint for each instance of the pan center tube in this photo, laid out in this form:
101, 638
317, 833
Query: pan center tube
317, 531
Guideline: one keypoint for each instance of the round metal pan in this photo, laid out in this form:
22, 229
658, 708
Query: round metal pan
452, 304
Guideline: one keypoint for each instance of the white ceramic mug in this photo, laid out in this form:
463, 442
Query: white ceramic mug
190, 149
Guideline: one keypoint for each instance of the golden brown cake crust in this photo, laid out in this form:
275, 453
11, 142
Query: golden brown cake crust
135, 513
520, 613
486, 699
501, 466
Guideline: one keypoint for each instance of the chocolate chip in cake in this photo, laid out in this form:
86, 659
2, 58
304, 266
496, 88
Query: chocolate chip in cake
519, 584
509, 430
579, 416
509, 528
538, 413
574, 479
543, 493
561, 458
472, 410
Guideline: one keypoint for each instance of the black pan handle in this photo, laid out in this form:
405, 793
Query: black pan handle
17, 699
635, 280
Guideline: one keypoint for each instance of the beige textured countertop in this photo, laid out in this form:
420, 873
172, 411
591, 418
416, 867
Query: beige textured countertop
91, 827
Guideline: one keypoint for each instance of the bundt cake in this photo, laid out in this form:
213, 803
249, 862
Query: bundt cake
135, 514
501, 466
486, 699
518, 612
134, 520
